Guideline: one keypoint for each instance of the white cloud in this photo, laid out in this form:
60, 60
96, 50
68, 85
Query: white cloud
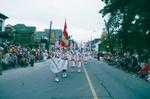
82, 34
82, 15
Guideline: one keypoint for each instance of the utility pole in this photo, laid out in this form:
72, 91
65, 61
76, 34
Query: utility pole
49, 38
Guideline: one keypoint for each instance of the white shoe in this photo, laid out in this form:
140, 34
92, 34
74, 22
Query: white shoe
79, 70
57, 79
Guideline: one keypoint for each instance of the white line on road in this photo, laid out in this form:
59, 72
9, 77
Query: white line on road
90, 83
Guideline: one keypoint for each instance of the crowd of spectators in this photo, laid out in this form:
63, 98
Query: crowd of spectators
13, 56
132, 63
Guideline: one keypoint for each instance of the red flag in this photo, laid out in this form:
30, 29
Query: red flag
64, 41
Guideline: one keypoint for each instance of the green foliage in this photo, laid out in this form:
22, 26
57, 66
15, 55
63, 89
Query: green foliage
129, 20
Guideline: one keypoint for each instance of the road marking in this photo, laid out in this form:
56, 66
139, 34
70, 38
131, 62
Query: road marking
90, 83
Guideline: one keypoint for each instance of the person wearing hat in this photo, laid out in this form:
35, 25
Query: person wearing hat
64, 64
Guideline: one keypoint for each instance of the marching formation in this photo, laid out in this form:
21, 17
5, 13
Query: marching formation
63, 60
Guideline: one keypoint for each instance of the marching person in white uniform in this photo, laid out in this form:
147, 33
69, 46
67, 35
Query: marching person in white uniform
64, 64
59, 64
55, 66
79, 62
72, 62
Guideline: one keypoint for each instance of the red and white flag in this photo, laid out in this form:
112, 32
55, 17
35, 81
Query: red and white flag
64, 41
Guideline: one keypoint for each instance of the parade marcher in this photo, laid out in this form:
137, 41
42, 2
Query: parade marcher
85, 58
55, 66
79, 62
72, 62
64, 64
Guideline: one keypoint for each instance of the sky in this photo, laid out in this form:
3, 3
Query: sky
83, 20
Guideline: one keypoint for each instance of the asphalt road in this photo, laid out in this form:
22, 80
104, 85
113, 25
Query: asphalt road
96, 81
113, 83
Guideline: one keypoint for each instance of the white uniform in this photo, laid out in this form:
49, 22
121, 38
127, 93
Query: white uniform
64, 63
72, 61
79, 61
55, 65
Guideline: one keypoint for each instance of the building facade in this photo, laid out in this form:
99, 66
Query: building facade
55, 35
2, 22
24, 35
39, 35
3, 36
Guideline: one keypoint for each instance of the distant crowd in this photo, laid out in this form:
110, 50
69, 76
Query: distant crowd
132, 63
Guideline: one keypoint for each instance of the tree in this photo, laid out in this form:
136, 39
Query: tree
130, 21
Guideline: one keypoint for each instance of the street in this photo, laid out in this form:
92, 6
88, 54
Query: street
38, 83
